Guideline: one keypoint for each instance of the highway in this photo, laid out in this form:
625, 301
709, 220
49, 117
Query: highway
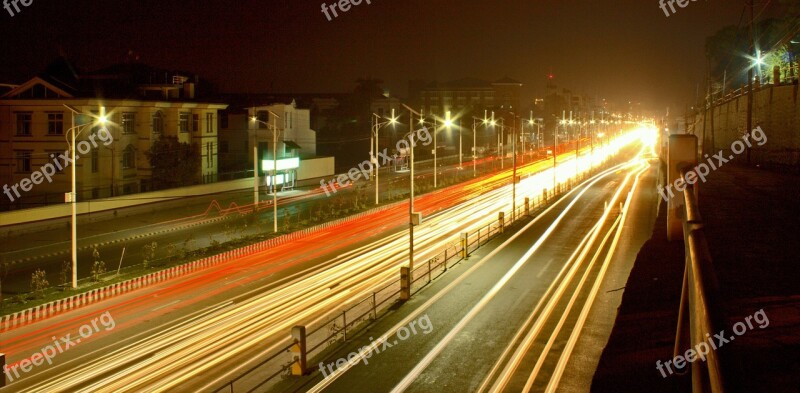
511, 320
186, 334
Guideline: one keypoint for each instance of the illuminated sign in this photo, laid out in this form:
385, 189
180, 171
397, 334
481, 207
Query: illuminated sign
283, 164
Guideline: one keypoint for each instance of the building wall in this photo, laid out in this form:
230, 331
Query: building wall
775, 109
121, 167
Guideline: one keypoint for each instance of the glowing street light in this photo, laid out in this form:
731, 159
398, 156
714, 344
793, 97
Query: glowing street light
274, 169
73, 198
376, 126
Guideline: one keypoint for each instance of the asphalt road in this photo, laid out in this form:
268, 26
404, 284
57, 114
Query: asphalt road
192, 329
496, 322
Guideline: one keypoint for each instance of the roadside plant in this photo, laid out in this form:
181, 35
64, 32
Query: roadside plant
39, 283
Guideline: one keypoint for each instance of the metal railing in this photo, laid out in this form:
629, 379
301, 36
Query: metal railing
699, 309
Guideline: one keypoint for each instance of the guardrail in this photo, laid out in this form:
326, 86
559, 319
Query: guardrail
699, 310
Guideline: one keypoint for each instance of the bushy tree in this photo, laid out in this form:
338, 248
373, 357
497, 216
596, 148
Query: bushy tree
174, 164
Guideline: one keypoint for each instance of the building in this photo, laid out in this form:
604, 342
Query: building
470, 96
296, 140
142, 104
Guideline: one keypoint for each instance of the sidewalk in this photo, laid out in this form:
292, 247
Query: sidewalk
752, 222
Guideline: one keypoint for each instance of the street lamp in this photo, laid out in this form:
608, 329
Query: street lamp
72, 134
483, 121
376, 126
447, 124
274, 167
411, 213
514, 172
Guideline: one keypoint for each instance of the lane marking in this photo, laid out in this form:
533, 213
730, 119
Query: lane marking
546, 265
167, 305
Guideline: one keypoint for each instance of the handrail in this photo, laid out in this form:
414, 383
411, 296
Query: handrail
699, 300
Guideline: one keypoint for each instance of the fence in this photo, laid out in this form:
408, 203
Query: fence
699, 309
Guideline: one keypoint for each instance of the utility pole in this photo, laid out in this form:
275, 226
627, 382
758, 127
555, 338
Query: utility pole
514, 173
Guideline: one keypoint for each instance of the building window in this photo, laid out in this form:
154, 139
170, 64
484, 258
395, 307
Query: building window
23, 158
95, 161
209, 123
158, 123
183, 123
24, 121
129, 123
54, 156
223, 147
208, 154
55, 124
195, 122
129, 157
223, 120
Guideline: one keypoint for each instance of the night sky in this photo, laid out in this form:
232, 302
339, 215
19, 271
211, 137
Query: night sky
621, 50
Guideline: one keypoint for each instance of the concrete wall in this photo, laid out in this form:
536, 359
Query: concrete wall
315, 167
775, 109
98, 205
310, 169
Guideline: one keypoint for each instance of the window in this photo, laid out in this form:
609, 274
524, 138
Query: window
208, 154
223, 120
129, 123
55, 156
158, 123
95, 161
209, 123
195, 122
23, 158
129, 157
223, 147
55, 124
24, 123
183, 122
263, 117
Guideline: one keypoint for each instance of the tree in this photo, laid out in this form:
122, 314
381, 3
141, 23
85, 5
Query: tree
39, 282
99, 267
149, 254
175, 164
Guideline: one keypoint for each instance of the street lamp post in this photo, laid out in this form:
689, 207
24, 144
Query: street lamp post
73, 197
411, 213
274, 167
474, 143
460, 161
376, 126
435, 153
514, 173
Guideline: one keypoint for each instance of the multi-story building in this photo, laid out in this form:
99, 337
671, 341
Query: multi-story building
141, 104
470, 96
296, 141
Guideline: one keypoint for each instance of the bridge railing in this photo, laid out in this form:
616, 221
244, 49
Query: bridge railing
699, 313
